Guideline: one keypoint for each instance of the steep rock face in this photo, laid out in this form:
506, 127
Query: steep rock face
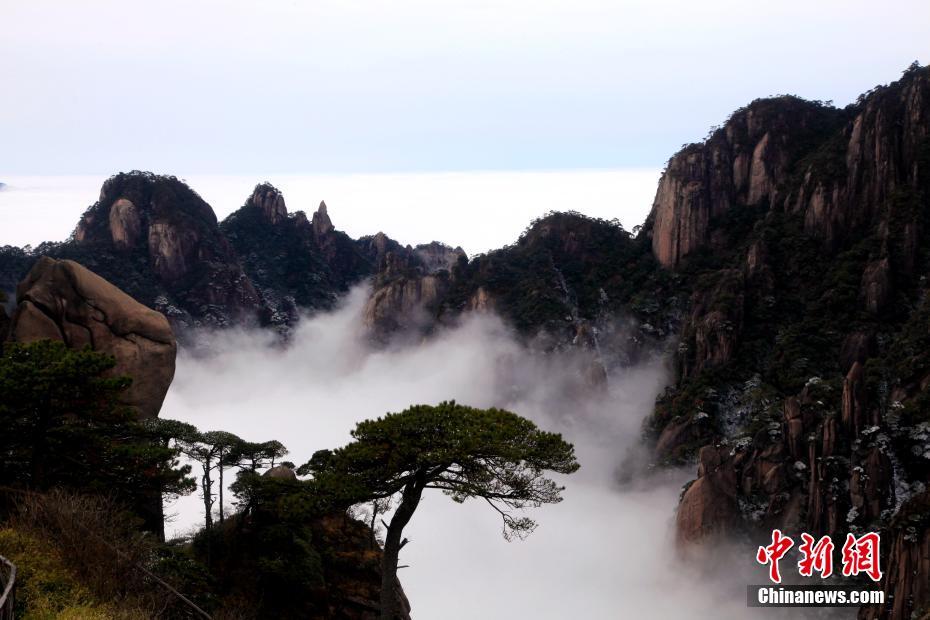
879, 148
159, 241
481, 301
403, 304
708, 506
62, 300
803, 368
907, 569
792, 476
741, 165
125, 225
713, 329
409, 287
876, 285
838, 169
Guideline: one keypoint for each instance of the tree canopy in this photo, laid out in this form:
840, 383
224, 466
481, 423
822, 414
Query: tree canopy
491, 454
62, 425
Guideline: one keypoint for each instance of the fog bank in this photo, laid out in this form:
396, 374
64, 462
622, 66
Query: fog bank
604, 552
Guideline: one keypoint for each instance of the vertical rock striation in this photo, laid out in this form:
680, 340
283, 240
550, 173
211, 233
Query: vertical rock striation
803, 377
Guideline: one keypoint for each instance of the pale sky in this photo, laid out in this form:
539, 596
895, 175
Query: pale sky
343, 86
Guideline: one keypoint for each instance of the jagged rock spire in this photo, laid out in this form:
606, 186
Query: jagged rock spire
322, 225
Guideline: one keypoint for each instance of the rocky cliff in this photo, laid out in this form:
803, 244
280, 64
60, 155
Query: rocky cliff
157, 239
410, 284
799, 231
743, 164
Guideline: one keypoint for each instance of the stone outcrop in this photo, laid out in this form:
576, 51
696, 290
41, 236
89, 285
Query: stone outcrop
159, 241
857, 347
854, 411
410, 285
876, 285
62, 300
708, 505
740, 165
793, 476
880, 147
752, 161
281, 472
481, 301
322, 225
403, 304
270, 201
675, 436
712, 331
906, 582
125, 225
346, 261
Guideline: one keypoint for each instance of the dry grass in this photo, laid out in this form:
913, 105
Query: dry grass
101, 548
47, 589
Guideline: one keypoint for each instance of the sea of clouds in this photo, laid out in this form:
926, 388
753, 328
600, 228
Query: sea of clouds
606, 551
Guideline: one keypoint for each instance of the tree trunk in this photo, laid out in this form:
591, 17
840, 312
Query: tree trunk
207, 485
221, 489
392, 544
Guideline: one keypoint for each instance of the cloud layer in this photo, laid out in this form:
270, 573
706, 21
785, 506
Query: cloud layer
604, 552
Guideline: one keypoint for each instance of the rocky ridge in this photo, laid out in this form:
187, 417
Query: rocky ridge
159, 241
802, 370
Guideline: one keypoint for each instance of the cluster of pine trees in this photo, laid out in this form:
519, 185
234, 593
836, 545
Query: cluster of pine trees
64, 430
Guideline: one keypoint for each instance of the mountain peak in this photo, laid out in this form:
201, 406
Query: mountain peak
270, 201
322, 225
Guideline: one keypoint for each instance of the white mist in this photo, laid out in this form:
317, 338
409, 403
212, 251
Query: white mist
604, 552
